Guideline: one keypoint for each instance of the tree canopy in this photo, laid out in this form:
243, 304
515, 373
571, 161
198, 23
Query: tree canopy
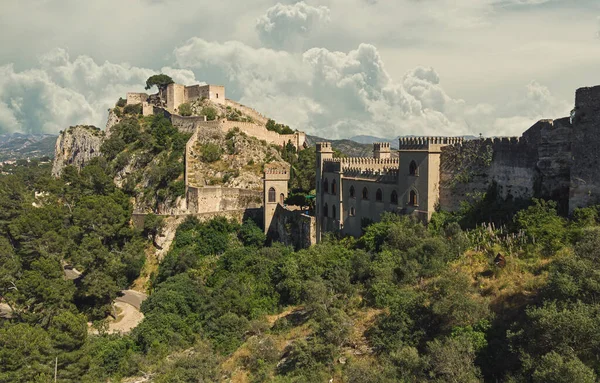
160, 80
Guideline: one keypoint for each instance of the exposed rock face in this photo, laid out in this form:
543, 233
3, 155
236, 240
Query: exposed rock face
239, 166
76, 146
113, 120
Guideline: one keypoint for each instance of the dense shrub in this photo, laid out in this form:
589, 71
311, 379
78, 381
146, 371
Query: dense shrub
133, 109
185, 109
210, 152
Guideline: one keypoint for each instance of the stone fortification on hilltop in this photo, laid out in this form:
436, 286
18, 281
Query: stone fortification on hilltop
554, 159
230, 114
224, 157
76, 146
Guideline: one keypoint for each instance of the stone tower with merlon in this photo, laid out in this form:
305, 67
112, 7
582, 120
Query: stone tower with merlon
324, 152
382, 150
276, 177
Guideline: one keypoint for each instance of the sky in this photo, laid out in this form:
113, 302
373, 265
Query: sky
332, 68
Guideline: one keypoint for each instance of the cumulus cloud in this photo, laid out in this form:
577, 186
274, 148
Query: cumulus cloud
62, 91
286, 26
340, 94
328, 93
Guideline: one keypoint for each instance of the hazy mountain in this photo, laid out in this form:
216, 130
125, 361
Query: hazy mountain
22, 146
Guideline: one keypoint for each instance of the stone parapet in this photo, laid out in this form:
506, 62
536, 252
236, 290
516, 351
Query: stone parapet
427, 142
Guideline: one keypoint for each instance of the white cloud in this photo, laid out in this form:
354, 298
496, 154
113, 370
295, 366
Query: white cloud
286, 26
61, 92
339, 94
327, 93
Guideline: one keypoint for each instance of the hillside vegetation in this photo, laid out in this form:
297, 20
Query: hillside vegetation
404, 302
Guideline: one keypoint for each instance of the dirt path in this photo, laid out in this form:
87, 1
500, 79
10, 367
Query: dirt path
129, 317
132, 297
128, 312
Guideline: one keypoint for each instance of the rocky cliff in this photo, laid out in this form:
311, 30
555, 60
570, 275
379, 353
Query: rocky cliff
76, 146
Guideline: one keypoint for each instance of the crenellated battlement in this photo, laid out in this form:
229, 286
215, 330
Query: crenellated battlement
364, 161
360, 163
427, 142
388, 175
277, 171
324, 147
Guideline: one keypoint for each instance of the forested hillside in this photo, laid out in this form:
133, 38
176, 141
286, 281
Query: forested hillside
458, 301
499, 292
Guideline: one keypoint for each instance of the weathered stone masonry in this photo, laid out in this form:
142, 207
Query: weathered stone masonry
554, 159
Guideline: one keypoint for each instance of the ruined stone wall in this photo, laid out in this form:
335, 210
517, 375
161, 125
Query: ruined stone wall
192, 93
293, 228
215, 198
585, 172
147, 109
258, 117
136, 98
189, 124
534, 165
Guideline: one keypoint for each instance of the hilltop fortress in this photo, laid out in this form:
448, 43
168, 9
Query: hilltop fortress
168, 100
554, 159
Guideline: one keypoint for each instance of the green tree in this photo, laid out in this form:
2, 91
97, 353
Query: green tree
251, 235
153, 225
25, 353
209, 112
210, 152
554, 368
160, 80
185, 109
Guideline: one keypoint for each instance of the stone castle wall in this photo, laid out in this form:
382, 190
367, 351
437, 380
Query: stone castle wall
535, 165
190, 124
293, 228
136, 98
258, 117
217, 199
585, 172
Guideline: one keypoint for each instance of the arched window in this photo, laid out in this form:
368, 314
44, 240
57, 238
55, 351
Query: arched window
326, 186
414, 200
352, 212
272, 194
333, 187
325, 210
379, 195
365, 193
333, 212
394, 198
351, 191
413, 169
281, 198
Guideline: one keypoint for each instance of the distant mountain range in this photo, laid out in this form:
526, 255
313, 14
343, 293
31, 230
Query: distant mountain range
18, 146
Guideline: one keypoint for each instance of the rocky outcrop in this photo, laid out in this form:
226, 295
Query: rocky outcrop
76, 146
113, 120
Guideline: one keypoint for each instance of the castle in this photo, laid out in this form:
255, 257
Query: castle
169, 99
207, 199
554, 159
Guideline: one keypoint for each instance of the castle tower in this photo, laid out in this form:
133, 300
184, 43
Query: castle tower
275, 183
381, 150
585, 172
419, 180
324, 151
